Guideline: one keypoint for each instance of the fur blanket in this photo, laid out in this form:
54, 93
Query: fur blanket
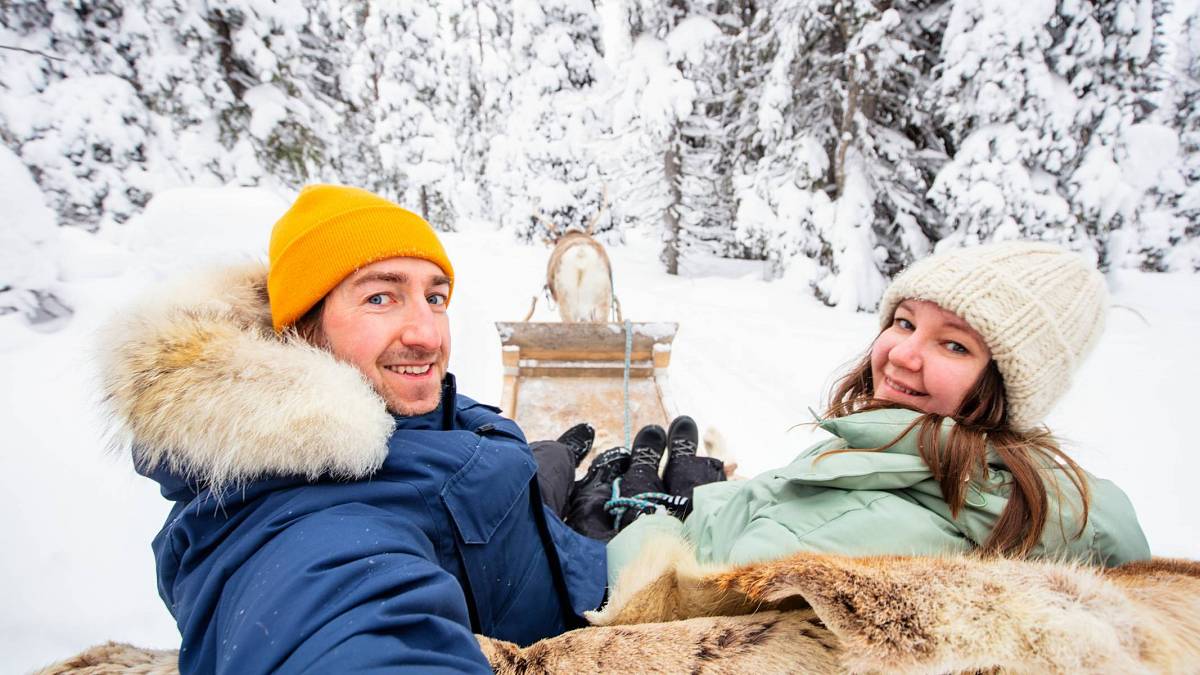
888, 614
116, 657
830, 614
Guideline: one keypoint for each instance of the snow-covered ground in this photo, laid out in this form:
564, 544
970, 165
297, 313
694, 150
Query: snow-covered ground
751, 357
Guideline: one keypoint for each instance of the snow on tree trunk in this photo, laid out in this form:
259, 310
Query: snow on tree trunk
855, 282
671, 228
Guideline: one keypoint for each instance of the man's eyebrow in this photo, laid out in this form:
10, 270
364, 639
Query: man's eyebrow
397, 278
385, 277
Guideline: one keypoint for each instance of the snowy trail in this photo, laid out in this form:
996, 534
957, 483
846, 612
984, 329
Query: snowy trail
750, 358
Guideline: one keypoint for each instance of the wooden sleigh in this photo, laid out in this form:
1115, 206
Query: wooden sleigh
559, 374
610, 374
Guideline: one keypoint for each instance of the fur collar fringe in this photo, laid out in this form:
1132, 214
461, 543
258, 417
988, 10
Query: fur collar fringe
198, 381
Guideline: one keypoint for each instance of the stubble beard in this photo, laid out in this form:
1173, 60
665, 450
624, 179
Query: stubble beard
403, 406
403, 409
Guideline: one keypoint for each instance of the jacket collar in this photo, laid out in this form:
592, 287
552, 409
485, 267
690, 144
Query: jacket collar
901, 468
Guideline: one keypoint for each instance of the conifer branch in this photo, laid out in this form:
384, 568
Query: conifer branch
34, 52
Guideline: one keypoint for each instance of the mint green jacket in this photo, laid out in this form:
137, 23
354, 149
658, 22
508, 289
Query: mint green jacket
874, 503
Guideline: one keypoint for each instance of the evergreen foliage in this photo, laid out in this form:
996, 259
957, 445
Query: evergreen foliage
854, 134
1047, 149
542, 172
1181, 231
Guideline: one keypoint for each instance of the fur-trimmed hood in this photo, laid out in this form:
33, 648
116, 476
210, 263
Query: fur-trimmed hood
198, 381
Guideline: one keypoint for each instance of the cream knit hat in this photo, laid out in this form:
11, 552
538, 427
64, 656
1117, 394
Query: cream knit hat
1039, 307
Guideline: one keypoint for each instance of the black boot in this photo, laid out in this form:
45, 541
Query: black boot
685, 471
642, 476
683, 438
586, 513
579, 439
606, 467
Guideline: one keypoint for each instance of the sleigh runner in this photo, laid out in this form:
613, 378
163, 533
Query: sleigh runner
558, 374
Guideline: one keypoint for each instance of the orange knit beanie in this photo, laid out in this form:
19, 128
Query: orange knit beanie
331, 231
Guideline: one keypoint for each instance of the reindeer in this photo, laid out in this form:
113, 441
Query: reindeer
579, 275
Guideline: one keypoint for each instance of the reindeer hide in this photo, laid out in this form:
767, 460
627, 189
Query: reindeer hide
826, 613
818, 613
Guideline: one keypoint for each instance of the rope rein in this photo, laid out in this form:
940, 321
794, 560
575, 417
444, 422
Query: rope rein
645, 502
628, 356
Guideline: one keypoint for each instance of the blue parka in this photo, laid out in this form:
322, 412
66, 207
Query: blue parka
396, 570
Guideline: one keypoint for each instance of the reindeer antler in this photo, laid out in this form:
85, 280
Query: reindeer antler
550, 227
603, 208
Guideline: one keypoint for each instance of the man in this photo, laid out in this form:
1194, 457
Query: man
339, 507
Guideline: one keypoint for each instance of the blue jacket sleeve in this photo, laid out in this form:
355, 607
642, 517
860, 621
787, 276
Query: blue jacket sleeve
349, 589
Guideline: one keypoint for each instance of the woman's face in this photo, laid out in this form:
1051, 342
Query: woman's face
928, 359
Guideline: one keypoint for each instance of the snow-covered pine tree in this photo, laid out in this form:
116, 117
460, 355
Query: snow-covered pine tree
251, 90
541, 169
137, 95
785, 164
1042, 104
757, 233
70, 106
639, 156
478, 52
397, 80
648, 98
1131, 130
736, 107
847, 148
192, 82
705, 47
289, 105
1183, 235
670, 154
887, 150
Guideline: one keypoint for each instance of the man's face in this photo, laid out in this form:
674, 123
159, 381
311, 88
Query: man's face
389, 320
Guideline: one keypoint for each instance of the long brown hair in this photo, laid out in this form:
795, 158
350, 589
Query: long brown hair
981, 419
